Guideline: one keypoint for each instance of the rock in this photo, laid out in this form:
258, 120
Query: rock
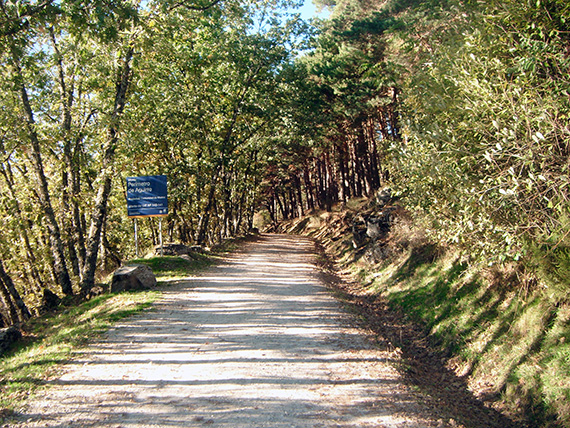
379, 225
178, 249
8, 336
97, 290
50, 301
131, 278
359, 236
383, 196
172, 249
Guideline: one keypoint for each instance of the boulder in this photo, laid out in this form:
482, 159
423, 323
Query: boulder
359, 236
172, 249
50, 301
8, 336
378, 226
383, 197
133, 278
178, 249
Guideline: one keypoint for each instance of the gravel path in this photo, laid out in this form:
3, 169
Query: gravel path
257, 341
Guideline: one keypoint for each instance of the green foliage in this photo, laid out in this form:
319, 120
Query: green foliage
486, 147
511, 342
550, 257
203, 88
209, 94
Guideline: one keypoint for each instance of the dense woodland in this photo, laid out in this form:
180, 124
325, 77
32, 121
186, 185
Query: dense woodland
461, 107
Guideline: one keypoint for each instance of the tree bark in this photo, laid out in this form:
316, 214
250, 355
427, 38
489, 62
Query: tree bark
205, 218
100, 209
38, 284
373, 154
67, 99
17, 308
309, 189
56, 243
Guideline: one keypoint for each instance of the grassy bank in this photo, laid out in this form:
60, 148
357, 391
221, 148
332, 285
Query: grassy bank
509, 343
500, 334
53, 339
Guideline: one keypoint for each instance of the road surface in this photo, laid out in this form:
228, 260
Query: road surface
256, 341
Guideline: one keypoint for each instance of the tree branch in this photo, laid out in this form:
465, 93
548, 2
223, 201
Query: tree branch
194, 7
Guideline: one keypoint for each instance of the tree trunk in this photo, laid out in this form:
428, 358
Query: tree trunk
373, 154
205, 218
30, 256
16, 306
344, 189
299, 191
66, 97
77, 217
100, 209
309, 189
363, 157
56, 244
277, 199
271, 209
330, 191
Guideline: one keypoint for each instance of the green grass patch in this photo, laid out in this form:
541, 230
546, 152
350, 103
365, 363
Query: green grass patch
511, 346
175, 266
51, 340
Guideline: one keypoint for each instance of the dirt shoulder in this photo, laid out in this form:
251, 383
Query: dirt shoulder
257, 341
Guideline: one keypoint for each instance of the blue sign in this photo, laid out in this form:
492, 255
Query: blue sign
147, 196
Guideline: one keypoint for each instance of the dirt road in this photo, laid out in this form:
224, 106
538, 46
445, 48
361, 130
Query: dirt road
257, 341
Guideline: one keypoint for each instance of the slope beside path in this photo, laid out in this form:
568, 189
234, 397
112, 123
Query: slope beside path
256, 341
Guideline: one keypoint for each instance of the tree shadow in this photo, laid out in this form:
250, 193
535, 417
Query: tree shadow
256, 341
422, 365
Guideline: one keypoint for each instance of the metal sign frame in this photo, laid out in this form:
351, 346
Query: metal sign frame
147, 196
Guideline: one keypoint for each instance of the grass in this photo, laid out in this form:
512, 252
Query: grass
51, 340
173, 267
510, 347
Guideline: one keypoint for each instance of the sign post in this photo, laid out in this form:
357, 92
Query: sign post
147, 196
160, 230
136, 239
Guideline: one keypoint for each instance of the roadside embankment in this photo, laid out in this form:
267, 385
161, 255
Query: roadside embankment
494, 330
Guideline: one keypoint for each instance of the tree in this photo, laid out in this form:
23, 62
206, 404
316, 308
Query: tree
344, 112
60, 266
222, 85
16, 310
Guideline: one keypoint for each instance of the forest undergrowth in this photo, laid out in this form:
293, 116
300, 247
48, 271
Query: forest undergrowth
493, 327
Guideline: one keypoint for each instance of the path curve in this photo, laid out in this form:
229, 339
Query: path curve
257, 341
